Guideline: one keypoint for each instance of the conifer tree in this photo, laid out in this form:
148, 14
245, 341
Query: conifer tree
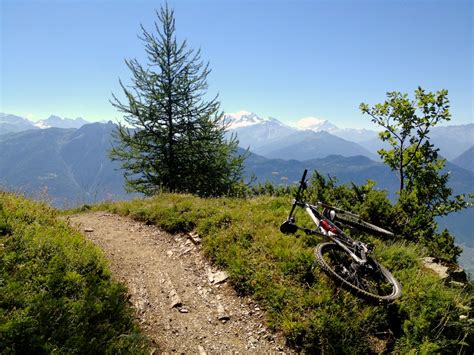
173, 139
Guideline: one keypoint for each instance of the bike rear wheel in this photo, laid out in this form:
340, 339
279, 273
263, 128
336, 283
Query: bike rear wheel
371, 280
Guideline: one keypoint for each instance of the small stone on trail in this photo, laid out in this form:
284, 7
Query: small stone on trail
184, 310
194, 237
175, 299
210, 276
219, 277
221, 313
186, 251
88, 230
141, 305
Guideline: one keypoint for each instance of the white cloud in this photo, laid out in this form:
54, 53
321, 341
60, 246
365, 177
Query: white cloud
309, 122
240, 114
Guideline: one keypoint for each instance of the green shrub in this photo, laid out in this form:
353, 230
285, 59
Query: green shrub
56, 294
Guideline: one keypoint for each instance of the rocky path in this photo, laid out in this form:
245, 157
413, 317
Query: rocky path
181, 302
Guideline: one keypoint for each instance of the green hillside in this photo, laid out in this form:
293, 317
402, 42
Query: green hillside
56, 293
242, 236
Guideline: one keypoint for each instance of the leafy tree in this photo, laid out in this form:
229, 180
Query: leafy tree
406, 126
424, 192
174, 138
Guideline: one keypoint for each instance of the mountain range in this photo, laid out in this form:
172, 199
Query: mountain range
69, 166
466, 159
311, 138
11, 123
308, 138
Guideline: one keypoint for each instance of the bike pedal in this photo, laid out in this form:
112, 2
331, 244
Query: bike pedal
288, 227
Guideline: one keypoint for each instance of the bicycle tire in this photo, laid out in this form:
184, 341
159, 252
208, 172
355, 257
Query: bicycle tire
374, 282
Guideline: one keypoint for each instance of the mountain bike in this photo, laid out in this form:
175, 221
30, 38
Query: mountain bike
344, 259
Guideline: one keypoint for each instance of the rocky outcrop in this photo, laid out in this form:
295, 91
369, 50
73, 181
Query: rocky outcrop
449, 272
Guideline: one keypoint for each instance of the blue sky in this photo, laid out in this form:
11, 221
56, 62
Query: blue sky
285, 59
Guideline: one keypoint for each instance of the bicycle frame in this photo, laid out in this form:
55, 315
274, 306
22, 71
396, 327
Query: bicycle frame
339, 238
348, 244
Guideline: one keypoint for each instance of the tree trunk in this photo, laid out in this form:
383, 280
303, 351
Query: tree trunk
400, 169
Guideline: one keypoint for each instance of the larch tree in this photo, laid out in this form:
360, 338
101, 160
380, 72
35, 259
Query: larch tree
174, 138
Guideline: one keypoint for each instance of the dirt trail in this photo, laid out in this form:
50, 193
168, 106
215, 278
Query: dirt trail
181, 302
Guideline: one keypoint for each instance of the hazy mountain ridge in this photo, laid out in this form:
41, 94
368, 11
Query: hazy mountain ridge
309, 144
453, 140
12, 124
58, 122
309, 138
71, 164
466, 159
268, 136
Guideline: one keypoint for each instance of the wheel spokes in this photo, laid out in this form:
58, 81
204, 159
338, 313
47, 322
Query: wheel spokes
375, 282
365, 277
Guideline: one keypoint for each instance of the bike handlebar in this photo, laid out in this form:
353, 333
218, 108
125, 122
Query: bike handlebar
304, 175
302, 184
301, 187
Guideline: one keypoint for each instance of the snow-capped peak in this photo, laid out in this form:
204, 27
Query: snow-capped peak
315, 124
243, 119
56, 121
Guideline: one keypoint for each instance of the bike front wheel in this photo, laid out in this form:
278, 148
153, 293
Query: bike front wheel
371, 280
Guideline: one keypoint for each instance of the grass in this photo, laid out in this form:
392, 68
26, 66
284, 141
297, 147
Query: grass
56, 292
242, 236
